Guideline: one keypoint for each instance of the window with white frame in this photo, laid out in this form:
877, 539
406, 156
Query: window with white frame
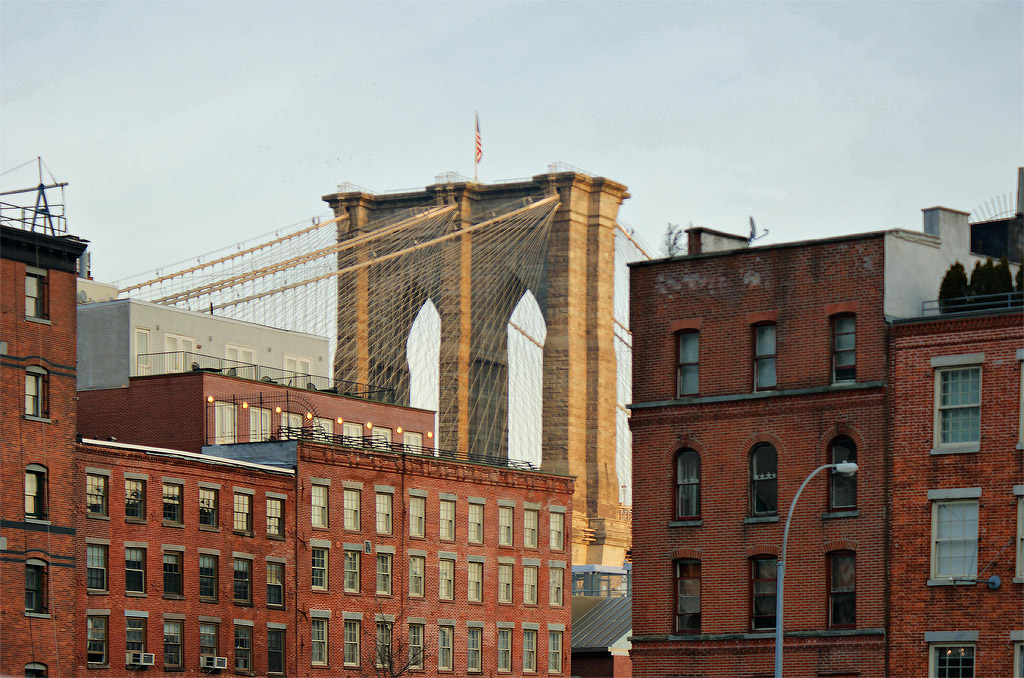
96, 494
208, 507
353, 431
318, 647
556, 575
352, 498
243, 513
239, 354
291, 422
300, 368
352, 576
951, 660
275, 517
529, 650
416, 646
687, 363
764, 356
417, 566
505, 582
135, 634
412, 441
474, 638
530, 585
446, 579
96, 567
530, 528
554, 651
36, 392
444, 647
475, 523
417, 517
957, 405
504, 650
505, 525
180, 350
275, 584
556, 531
96, 640
35, 492
447, 520
475, 582
384, 574
954, 539
142, 366
259, 424
224, 423
318, 497
35, 293
380, 436
384, 506
351, 652
844, 348
384, 658
135, 570
324, 425
319, 561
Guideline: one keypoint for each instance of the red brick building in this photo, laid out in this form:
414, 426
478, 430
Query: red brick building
957, 516
37, 429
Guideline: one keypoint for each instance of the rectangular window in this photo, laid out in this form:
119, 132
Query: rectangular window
530, 528
384, 505
842, 590
416, 646
447, 522
135, 634
352, 433
556, 575
207, 577
384, 645
444, 647
208, 644
476, 523
96, 494
300, 368
318, 648
958, 405
96, 567
352, 642
954, 539
446, 579
275, 517
243, 648
530, 585
380, 437
319, 559
239, 354
134, 500
322, 425
384, 574
352, 578
352, 500
35, 293
243, 513
529, 651
417, 517
412, 442
291, 423
505, 583
224, 423
36, 391
504, 650
688, 596
554, 651
688, 367
475, 582
417, 564
275, 650
135, 570
172, 504
172, 645
275, 584
319, 508
764, 357
844, 348
762, 592
142, 356
35, 588
96, 640
35, 492
556, 532
243, 580
172, 574
952, 661
505, 526
473, 643
259, 424
180, 349
208, 507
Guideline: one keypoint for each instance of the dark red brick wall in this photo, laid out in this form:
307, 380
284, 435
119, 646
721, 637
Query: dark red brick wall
799, 287
602, 666
999, 465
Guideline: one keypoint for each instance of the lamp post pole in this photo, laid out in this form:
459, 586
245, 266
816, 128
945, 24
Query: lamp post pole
846, 468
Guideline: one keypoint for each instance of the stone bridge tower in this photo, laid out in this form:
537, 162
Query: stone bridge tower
575, 295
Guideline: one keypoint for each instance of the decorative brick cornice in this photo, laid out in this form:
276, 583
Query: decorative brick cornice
762, 550
839, 545
686, 552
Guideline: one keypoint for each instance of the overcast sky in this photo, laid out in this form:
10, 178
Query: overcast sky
183, 127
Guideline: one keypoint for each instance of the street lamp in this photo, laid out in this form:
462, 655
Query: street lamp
847, 468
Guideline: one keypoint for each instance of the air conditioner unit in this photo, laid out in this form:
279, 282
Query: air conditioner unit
140, 659
220, 662
209, 662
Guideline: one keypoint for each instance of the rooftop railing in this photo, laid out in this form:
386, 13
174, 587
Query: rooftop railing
178, 362
974, 303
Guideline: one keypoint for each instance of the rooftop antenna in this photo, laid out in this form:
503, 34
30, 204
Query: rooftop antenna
753, 233
43, 213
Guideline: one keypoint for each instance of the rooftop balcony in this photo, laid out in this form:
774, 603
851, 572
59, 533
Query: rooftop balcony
979, 303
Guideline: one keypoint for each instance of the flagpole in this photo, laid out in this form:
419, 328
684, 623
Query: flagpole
477, 149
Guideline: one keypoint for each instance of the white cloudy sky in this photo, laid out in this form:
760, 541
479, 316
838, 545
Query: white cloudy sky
183, 127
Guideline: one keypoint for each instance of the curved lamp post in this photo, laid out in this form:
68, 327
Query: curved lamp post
847, 468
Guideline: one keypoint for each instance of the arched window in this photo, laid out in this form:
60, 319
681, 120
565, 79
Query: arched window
35, 491
35, 670
842, 489
687, 484
687, 596
764, 488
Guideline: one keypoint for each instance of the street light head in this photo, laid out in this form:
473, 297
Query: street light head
847, 468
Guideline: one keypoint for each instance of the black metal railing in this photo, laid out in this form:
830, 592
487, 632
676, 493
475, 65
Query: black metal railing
977, 302
177, 362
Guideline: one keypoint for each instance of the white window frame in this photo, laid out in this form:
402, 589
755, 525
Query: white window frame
504, 650
138, 369
474, 649
933, 654
259, 424
937, 505
352, 498
556, 583
412, 439
445, 647
324, 424
385, 504
325, 569
506, 574
1020, 535
1018, 658
225, 425
531, 574
352, 630
353, 577
555, 650
556, 531
417, 574
475, 582
319, 498
352, 429
946, 365
174, 343
385, 565
506, 525
243, 354
531, 528
446, 579
417, 633
446, 523
300, 365
418, 517
529, 651
36, 405
476, 523
318, 635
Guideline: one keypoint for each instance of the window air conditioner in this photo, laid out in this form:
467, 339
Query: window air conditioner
207, 662
140, 659
220, 662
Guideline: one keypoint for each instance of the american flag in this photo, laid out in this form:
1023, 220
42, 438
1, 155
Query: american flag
479, 145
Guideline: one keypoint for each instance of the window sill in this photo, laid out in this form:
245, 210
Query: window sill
276, 537
965, 581
855, 513
752, 520
1020, 446
136, 594
38, 615
44, 420
96, 516
692, 522
275, 607
312, 590
241, 533
243, 603
97, 592
1018, 580
172, 523
97, 666
41, 321
966, 448
208, 600
136, 521
173, 596
209, 528
37, 521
